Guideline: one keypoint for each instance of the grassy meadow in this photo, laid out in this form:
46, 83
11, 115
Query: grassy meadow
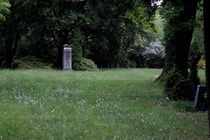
121, 104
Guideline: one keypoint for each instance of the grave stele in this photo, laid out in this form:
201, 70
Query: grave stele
200, 103
67, 58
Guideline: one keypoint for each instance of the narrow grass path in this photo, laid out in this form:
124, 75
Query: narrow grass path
110, 104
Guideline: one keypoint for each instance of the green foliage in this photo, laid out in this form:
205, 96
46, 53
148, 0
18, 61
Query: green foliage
4, 8
198, 33
103, 31
176, 18
135, 54
171, 13
15, 27
194, 58
140, 16
76, 44
86, 64
87, 29
30, 62
159, 23
195, 51
153, 61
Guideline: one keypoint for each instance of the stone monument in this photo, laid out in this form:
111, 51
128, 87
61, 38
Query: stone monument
67, 57
200, 103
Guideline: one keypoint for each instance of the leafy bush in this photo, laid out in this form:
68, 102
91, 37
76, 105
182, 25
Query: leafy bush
154, 55
86, 64
135, 55
153, 61
151, 57
30, 62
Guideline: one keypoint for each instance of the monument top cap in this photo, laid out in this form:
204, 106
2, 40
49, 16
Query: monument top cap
67, 49
66, 45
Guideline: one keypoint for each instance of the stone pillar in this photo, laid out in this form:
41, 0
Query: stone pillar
67, 58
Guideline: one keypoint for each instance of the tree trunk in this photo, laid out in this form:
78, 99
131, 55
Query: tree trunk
178, 37
8, 53
207, 53
60, 57
11, 45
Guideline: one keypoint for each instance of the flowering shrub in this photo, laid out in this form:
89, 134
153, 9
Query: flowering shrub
154, 55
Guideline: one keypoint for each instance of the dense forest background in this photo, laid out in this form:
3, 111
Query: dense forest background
106, 34
103, 34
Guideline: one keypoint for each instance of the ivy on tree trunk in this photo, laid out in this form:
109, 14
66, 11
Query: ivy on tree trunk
180, 16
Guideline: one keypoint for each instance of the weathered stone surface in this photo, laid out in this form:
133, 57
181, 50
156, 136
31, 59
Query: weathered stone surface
200, 103
67, 58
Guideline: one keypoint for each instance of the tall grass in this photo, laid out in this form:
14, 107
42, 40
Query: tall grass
110, 104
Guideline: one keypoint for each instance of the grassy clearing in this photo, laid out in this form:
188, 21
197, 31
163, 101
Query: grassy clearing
110, 104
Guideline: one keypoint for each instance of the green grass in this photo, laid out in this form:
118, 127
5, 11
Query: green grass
110, 104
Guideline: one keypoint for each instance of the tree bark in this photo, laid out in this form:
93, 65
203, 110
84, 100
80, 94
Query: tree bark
207, 53
60, 57
11, 44
178, 38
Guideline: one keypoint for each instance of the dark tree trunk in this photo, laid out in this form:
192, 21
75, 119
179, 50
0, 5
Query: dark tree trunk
194, 58
60, 57
11, 44
8, 53
178, 38
207, 51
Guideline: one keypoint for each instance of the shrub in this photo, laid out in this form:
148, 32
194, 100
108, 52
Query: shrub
76, 44
135, 56
153, 61
30, 62
86, 64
